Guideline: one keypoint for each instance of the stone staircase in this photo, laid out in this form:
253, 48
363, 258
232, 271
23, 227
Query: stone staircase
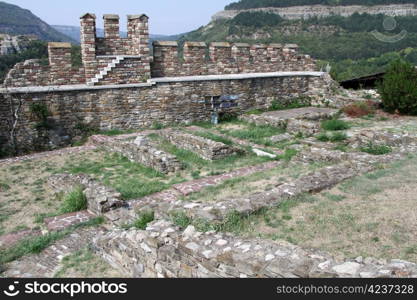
106, 70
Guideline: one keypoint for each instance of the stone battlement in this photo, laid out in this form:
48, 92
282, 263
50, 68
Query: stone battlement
113, 60
225, 58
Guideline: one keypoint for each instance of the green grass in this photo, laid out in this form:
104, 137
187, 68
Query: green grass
4, 187
74, 201
194, 162
335, 125
295, 103
214, 137
38, 244
130, 179
144, 219
181, 219
115, 132
335, 137
257, 134
373, 149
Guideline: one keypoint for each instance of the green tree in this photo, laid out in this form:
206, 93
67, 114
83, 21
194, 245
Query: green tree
399, 88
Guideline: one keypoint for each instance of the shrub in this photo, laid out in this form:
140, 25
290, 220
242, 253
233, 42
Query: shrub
338, 137
399, 88
144, 219
360, 109
335, 137
41, 112
334, 125
74, 201
323, 137
373, 149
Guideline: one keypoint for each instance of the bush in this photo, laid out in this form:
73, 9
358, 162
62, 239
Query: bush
399, 88
376, 149
360, 109
335, 125
74, 201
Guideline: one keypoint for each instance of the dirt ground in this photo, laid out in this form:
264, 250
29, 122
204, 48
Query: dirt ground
372, 215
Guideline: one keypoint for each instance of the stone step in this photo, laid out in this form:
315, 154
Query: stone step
106, 70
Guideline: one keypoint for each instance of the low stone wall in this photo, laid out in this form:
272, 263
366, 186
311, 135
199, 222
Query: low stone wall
282, 118
205, 148
164, 251
146, 154
295, 121
366, 137
101, 199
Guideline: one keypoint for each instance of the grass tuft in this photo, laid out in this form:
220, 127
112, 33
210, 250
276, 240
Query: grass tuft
335, 125
144, 219
373, 149
74, 201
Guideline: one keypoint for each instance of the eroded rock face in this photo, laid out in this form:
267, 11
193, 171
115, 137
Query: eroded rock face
163, 250
14, 44
101, 199
306, 12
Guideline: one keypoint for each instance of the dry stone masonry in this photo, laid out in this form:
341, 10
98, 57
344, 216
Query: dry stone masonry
165, 251
101, 199
144, 151
295, 121
121, 85
205, 148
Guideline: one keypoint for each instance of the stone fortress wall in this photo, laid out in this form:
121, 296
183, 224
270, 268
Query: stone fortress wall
120, 85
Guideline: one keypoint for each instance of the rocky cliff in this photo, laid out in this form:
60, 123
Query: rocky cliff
14, 44
306, 12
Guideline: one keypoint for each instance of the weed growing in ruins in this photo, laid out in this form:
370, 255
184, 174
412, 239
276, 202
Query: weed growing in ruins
144, 219
293, 103
335, 125
74, 201
214, 137
374, 149
37, 244
181, 219
4, 187
288, 155
157, 126
335, 137
257, 134
41, 112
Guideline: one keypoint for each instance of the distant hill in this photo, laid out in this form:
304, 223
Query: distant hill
248, 4
346, 40
74, 33
18, 21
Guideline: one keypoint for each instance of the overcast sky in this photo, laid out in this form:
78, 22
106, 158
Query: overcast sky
166, 16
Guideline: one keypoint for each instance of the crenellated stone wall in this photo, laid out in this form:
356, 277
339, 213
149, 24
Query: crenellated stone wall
59, 71
226, 58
